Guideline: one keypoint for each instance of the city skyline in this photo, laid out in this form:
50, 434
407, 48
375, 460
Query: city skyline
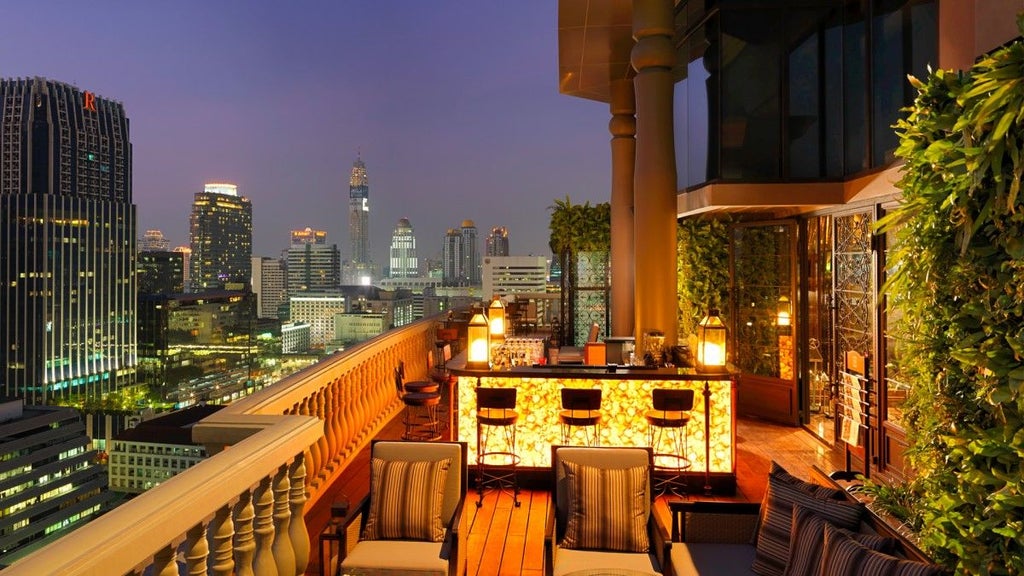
453, 108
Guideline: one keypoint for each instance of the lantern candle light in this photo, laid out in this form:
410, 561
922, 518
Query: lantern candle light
711, 350
477, 333
496, 318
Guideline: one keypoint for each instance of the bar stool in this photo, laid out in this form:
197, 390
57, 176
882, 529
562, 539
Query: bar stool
496, 420
420, 416
416, 385
667, 418
581, 408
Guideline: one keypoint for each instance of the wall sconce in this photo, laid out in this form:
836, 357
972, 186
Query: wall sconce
496, 317
711, 351
477, 334
784, 314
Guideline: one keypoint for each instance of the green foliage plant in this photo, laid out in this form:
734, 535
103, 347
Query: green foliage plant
957, 273
702, 246
576, 228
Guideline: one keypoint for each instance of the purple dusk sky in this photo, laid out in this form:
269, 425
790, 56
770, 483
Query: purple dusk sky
453, 105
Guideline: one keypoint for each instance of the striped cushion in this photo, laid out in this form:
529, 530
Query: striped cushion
776, 523
607, 508
405, 500
808, 537
844, 556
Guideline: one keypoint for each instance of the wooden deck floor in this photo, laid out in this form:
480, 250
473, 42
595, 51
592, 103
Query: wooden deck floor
508, 541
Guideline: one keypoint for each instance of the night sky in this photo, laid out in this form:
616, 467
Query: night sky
453, 105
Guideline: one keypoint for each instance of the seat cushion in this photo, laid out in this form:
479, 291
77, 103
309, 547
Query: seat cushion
700, 558
776, 522
808, 538
405, 499
569, 561
844, 556
607, 508
394, 558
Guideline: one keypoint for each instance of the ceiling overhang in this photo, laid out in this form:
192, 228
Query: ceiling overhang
595, 38
785, 199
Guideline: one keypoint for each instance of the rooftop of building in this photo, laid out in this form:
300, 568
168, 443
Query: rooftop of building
170, 428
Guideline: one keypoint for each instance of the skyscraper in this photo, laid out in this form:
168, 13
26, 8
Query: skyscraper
359, 214
269, 281
154, 241
451, 258
403, 260
67, 243
313, 265
221, 236
470, 254
497, 242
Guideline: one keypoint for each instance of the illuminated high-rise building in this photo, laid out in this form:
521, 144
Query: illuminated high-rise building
359, 215
221, 236
470, 254
451, 258
154, 241
309, 236
67, 243
497, 242
403, 261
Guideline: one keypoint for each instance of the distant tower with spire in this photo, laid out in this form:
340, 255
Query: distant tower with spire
359, 215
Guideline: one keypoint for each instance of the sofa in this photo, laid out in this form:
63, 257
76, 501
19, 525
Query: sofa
800, 528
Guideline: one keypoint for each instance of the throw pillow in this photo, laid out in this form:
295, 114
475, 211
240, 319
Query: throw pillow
808, 537
844, 556
405, 500
607, 508
772, 547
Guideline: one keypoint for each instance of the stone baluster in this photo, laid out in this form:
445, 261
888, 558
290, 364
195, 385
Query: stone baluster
297, 503
338, 419
221, 530
330, 434
263, 563
316, 457
284, 555
244, 544
165, 561
196, 551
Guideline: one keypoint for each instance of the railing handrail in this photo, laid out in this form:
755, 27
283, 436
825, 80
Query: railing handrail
185, 500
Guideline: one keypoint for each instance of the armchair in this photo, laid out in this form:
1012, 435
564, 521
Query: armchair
601, 514
412, 521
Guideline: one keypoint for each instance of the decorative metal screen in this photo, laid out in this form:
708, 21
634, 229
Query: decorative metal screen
853, 288
585, 288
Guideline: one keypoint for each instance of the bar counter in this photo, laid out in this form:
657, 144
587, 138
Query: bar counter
626, 396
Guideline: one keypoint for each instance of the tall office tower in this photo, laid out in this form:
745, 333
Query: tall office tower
403, 251
451, 258
67, 243
186, 265
313, 268
154, 241
221, 236
359, 214
497, 242
269, 282
470, 254
309, 236
160, 272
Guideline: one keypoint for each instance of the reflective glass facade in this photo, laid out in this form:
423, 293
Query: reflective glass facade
794, 90
67, 243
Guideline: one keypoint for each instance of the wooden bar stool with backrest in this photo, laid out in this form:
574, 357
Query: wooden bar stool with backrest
581, 409
496, 454
667, 419
420, 415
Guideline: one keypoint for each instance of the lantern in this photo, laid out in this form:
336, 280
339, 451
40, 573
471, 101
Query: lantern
711, 351
784, 313
477, 334
496, 318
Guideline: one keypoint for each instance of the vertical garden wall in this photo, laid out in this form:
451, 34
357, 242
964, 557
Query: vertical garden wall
957, 275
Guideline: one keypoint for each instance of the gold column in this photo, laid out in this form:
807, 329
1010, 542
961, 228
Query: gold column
623, 129
653, 57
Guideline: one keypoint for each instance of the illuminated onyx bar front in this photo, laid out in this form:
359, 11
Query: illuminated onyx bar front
626, 396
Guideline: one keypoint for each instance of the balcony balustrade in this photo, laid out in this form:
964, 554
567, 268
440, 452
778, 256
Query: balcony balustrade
274, 454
